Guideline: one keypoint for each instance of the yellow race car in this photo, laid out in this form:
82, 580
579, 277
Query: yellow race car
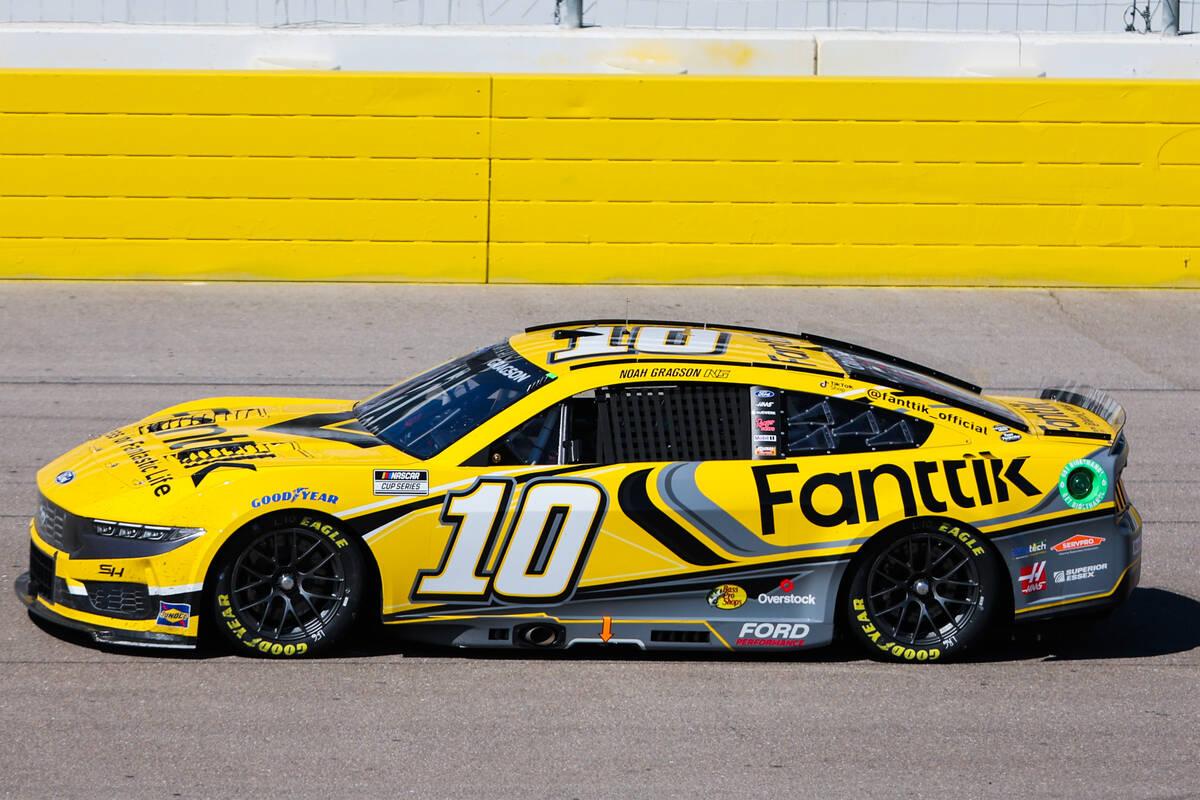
660, 484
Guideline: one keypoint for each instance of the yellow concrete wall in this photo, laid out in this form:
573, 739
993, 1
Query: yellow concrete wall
845, 181
377, 176
243, 176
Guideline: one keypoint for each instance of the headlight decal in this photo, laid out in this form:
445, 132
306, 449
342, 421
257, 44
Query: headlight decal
145, 533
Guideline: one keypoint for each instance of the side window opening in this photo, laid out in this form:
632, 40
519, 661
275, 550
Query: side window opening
579, 443
698, 422
672, 422
641, 422
818, 425
536, 441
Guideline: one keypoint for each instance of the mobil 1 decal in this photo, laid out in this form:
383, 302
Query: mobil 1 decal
766, 422
541, 554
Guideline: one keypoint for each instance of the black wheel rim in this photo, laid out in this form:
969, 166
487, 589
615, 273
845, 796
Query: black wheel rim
288, 585
923, 589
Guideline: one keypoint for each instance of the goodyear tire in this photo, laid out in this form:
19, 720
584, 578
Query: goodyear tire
287, 586
924, 595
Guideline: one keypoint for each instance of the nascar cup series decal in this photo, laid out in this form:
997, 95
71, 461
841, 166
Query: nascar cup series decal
402, 481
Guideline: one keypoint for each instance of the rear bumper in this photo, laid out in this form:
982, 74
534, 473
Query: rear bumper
1085, 564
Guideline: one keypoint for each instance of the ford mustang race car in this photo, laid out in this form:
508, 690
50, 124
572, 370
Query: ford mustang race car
658, 484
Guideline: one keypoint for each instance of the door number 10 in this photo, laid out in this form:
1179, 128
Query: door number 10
541, 555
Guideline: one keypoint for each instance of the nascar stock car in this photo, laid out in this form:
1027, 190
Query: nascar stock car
659, 484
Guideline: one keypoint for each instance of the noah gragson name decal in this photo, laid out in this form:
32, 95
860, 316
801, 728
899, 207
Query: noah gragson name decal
931, 486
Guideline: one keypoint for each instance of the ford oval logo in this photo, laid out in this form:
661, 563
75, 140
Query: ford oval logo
64, 477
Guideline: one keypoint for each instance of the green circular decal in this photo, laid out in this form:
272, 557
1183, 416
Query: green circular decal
1082, 484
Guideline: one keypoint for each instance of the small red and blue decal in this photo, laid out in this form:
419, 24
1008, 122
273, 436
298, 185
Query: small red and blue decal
174, 615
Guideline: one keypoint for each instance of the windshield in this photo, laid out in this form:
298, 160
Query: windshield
902, 377
428, 413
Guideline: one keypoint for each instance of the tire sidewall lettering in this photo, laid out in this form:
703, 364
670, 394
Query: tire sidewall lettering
237, 631
884, 638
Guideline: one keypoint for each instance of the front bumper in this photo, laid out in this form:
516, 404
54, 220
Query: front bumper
99, 631
116, 600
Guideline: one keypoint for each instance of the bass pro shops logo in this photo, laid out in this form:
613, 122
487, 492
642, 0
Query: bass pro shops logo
727, 596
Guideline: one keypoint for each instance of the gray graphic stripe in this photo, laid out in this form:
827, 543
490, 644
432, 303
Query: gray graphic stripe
677, 486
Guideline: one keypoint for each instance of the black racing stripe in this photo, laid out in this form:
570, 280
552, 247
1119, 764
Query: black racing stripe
471, 611
635, 502
372, 520
348, 430
1054, 523
1077, 434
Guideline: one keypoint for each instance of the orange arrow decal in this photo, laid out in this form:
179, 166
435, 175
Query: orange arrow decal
606, 631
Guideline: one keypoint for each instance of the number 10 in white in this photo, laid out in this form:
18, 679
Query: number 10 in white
542, 554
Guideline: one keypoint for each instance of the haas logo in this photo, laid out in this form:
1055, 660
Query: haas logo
1033, 578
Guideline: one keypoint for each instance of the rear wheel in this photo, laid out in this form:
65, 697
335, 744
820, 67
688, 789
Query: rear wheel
925, 595
288, 587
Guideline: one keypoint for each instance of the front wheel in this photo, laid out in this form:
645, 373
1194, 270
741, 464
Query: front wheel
288, 586
925, 595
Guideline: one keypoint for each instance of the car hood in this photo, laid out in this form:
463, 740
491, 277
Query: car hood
181, 446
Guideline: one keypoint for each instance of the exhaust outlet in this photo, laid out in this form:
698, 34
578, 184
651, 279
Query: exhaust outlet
540, 634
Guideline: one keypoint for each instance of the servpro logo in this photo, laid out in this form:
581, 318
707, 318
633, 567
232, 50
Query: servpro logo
1078, 542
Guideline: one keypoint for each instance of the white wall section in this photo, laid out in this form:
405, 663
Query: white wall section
546, 50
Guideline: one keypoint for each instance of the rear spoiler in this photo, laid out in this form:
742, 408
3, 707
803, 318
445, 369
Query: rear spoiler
1098, 402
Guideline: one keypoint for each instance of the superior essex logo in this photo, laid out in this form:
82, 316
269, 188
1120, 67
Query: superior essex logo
931, 486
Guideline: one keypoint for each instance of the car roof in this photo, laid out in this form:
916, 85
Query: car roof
555, 344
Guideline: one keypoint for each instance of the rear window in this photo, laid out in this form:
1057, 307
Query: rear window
901, 377
428, 413
816, 424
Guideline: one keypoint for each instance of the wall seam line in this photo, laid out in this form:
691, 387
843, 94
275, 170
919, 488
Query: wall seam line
487, 241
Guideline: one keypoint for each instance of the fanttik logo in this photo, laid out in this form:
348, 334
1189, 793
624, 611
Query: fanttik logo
174, 615
727, 596
1033, 578
1076, 543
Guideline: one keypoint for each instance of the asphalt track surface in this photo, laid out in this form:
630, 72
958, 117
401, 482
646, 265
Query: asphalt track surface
1110, 710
